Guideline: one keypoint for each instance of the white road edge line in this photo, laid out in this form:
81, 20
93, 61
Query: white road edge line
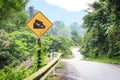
118, 69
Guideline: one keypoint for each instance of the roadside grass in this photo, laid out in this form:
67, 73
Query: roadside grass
60, 65
115, 60
51, 77
69, 56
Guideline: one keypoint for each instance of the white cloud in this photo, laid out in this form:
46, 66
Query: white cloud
71, 5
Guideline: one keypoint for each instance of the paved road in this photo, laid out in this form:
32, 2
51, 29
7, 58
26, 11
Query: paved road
77, 69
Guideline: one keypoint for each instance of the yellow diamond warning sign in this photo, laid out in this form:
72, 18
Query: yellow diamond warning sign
39, 24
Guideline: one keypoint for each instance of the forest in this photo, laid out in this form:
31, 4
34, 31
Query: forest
102, 37
18, 44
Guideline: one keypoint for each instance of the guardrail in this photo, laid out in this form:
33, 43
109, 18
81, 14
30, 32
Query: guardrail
42, 73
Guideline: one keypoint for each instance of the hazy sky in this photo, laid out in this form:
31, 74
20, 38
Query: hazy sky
68, 11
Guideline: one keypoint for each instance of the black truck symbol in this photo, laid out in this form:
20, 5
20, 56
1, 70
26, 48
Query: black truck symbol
38, 24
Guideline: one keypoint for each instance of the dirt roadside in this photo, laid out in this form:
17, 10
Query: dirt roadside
58, 72
64, 71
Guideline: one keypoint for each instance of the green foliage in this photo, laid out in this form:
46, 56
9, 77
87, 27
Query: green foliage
16, 41
60, 65
12, 14
13, 40
4, 40
61, 44
103, 29
59, 29
75, 26
5, 56
31, 10
11, 74
15, 45
105, 59
18, 44
22, 42
76, 37
114, 41
8, 7
16, 23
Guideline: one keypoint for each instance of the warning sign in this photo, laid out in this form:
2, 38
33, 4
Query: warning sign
39, 24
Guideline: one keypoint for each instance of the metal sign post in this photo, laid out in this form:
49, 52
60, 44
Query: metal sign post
39, 24
39, 53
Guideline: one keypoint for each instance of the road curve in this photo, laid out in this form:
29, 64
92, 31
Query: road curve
77, 69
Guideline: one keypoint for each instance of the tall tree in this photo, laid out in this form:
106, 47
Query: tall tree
59, 29
31, 10
8, 7
102, 27
77, 27
12, 14
75, 37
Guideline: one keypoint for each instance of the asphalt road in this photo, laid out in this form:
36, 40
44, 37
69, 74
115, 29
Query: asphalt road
77, 69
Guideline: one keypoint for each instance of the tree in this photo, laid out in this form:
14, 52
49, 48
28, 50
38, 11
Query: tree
5, 56
77, 27
75, 37
61, 44
102, 27
12, 17
8, 7
31, 10
12, 14
59, 29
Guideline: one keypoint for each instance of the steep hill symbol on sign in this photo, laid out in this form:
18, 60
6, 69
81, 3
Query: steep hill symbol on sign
38, 24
